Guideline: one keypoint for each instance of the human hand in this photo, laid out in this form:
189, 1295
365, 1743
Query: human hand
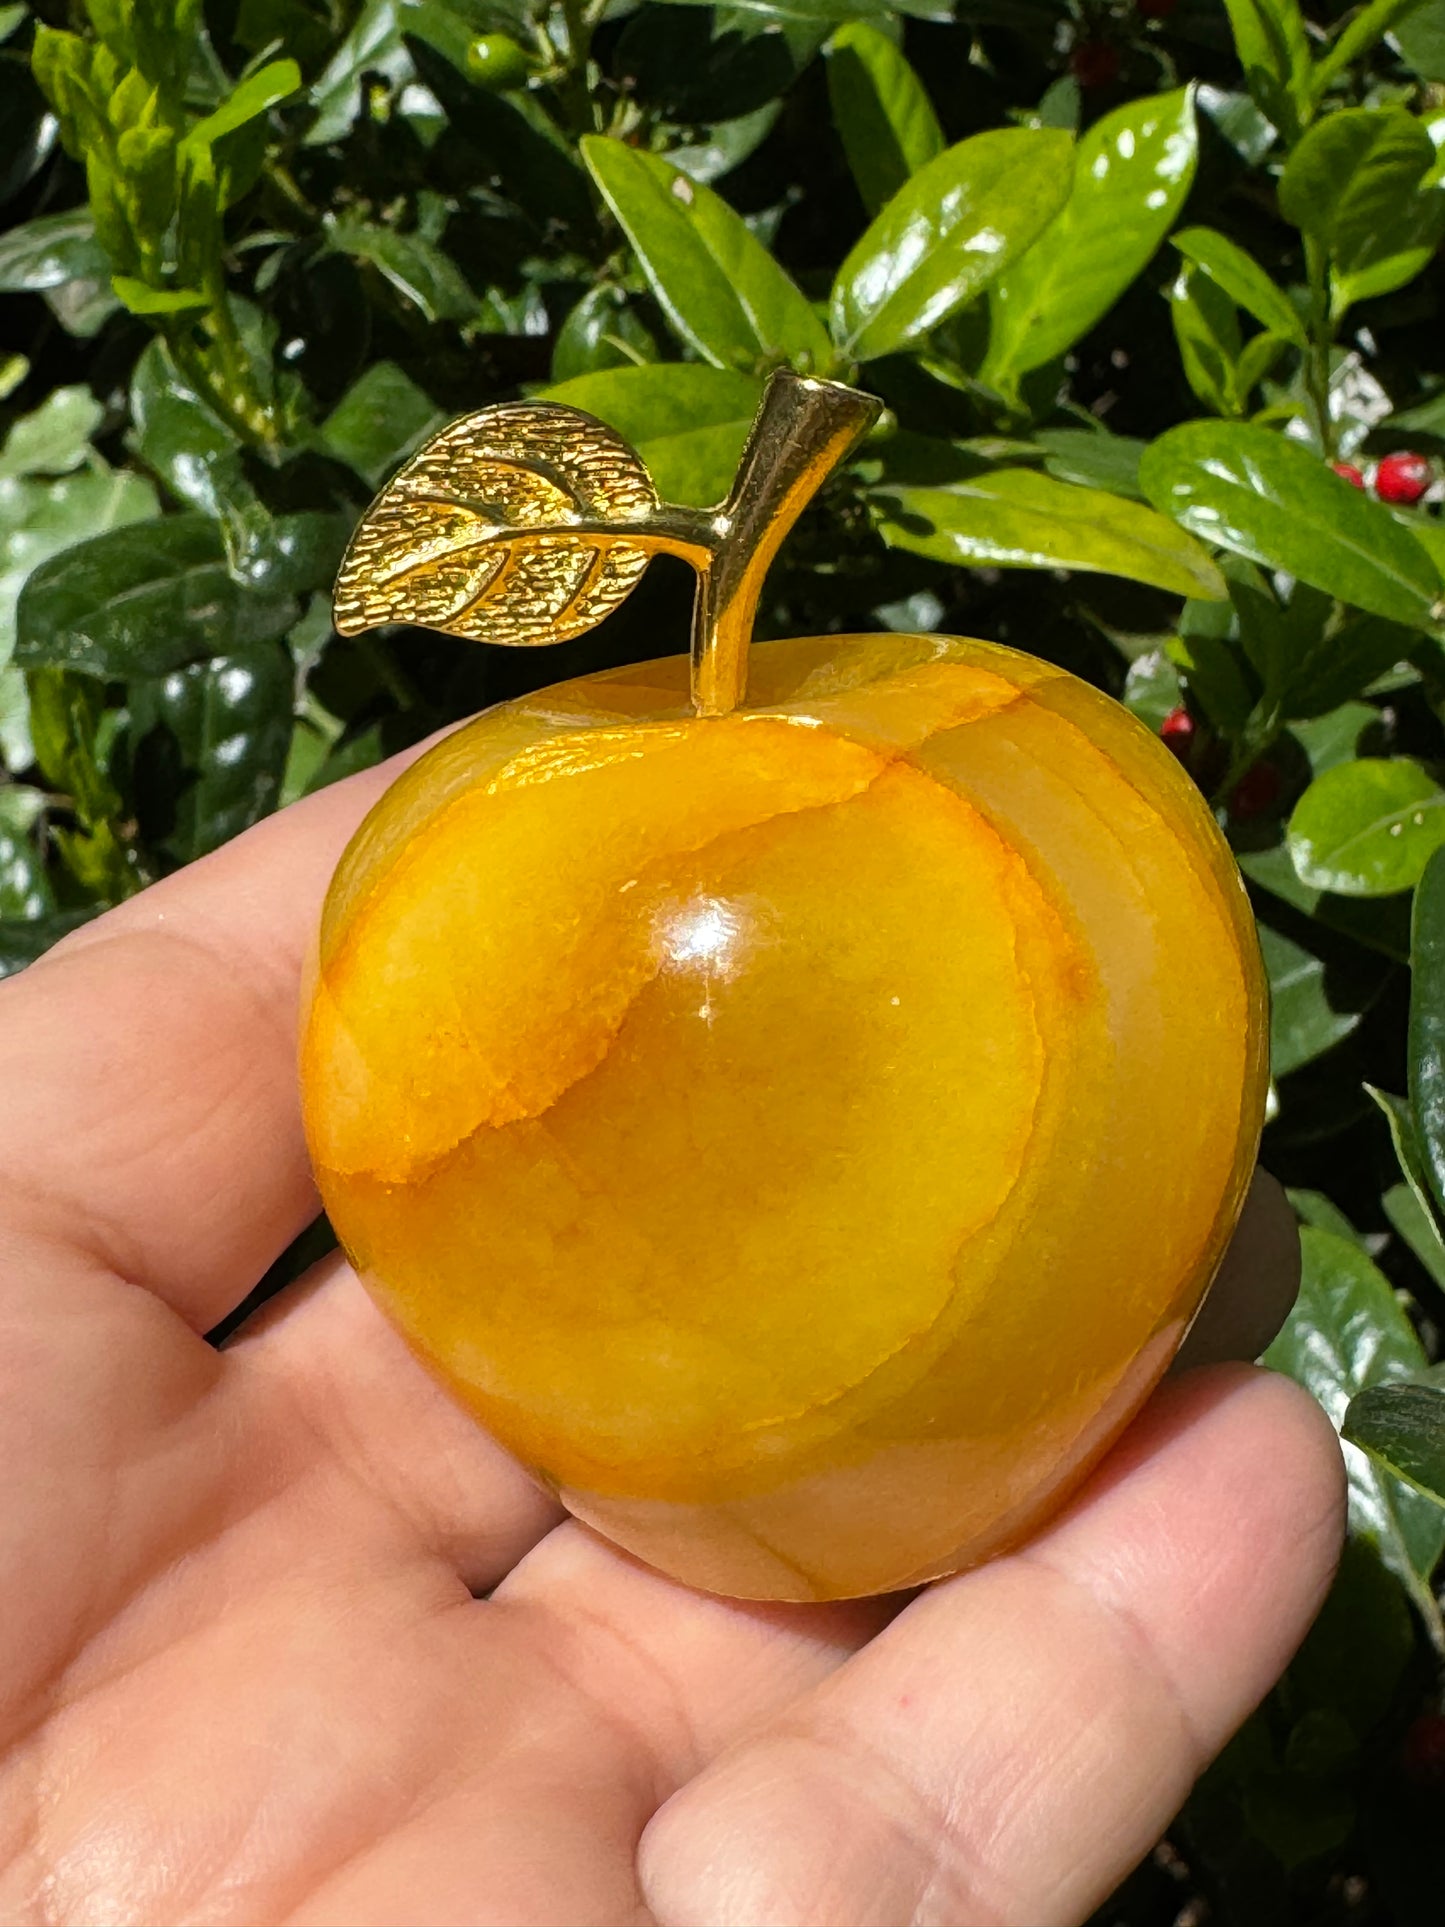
243, 1675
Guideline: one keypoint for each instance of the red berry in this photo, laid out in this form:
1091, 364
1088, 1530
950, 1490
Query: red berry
1255, 792
1349, 473
1156, 9
1422, 1751
1403, 478
1094, 63
1177, 731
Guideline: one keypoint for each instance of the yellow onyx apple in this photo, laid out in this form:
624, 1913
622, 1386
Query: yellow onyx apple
769, 1123
763, 1114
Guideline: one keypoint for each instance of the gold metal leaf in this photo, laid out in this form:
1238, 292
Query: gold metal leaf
524, 523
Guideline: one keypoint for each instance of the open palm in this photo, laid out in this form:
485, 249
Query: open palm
244, 1673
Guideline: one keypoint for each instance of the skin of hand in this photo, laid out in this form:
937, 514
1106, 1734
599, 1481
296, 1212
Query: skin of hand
245, 1675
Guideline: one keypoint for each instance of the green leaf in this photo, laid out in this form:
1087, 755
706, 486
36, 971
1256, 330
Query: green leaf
1400, 251
417, 268
1131, 174
1152, 688
1239, 122
1427, 1021
1359, 34
354, 753
73, 728
198, 458
1256, 361
17, 752
39, 519
144, 601
46, 253
1367, 829
1409, 1152
725, 144
137, 298
1261, 495
1412, 1222
825, 12
1270, 40
297, 25
505, 137
881, 110
1243, 280
373, 46
1014, 518
723, 294
379, 421
223, 729
1356, 1652
67, 713
1092, 457
254, 95
1335, 664
1420, 36
602, 331
948, 232
303, 554
1206, 330
1313, 1207
82, 307
1213, 668
1348, 172
1305, 1018
54, 438
1354, 185
1381, 924
1402, 1427
1346, 1333
687, 422
24, 888
1333, 738
180, 438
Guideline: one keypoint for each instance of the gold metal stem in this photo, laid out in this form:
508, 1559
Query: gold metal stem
693, 535
804, 428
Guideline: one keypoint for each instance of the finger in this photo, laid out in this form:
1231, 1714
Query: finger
728, 1664
549, 1763
160, 1130
1015, 1741
1257, 1283
380, 1414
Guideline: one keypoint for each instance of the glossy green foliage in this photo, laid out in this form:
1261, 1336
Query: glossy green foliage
881, 110
1427, 1025
1362, 185
721, 290
949, 231
1131, 173
1368, 828
1347, 1333
1402, 1427
1019, 518
1313, 1005
1130, 279
1261, 495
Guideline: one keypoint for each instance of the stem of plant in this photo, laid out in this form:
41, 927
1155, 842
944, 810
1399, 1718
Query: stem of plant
577, 95
1317, 360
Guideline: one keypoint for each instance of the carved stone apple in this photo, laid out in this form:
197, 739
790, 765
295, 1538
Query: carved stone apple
767, 1121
